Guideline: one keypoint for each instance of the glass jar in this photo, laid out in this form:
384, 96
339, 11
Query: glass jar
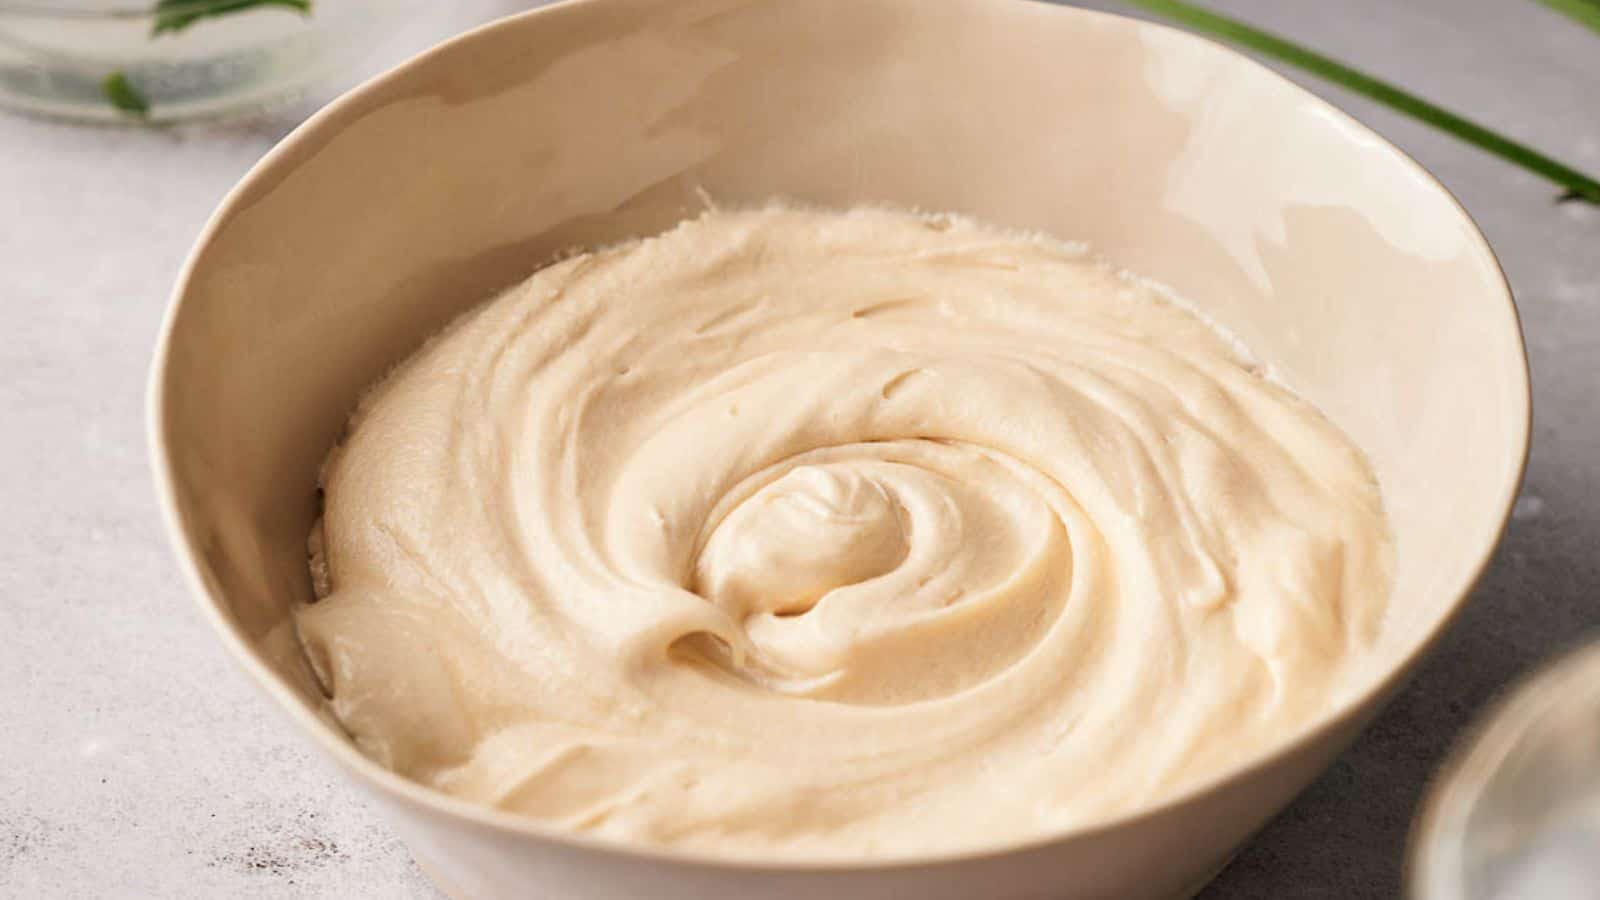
111, 60
1515, 813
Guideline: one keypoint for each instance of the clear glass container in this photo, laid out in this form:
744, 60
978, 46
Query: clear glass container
112, 60
1515, 814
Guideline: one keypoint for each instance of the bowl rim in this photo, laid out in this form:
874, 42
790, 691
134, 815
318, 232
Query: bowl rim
401, 790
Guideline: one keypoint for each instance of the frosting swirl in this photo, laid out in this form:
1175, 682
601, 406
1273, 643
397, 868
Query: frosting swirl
843, 534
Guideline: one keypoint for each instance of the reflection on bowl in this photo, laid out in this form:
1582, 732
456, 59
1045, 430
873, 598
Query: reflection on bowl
1339, 261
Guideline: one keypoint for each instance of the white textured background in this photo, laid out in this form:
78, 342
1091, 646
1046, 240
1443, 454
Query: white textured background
136, 762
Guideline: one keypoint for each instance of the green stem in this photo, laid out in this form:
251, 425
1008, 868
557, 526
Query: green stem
1585, 12
1577, 185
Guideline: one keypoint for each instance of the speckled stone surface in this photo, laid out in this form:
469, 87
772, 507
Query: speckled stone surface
135, 761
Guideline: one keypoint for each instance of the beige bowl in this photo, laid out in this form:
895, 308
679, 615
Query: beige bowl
1339, 260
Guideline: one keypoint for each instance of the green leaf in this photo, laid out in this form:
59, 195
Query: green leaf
1586, 12
123, 95
175, 15
1575, 183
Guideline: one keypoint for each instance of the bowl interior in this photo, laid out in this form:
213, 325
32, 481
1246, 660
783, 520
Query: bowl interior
1337, 260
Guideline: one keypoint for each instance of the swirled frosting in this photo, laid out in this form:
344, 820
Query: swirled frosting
863, 534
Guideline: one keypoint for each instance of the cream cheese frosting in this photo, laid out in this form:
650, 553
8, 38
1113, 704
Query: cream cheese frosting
792, 532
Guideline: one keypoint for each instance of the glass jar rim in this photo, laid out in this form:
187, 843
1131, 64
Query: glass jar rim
1436, 867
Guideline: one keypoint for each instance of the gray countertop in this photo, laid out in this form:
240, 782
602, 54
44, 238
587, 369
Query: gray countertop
136, 761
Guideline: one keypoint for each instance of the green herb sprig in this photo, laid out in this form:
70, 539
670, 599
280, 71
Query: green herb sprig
171, 17
1584, 12
123, 95
1575, 184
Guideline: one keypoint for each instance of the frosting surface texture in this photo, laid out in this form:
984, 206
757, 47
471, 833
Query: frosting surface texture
849, 534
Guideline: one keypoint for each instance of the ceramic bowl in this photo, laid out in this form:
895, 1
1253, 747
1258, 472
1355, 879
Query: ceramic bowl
1336, 258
